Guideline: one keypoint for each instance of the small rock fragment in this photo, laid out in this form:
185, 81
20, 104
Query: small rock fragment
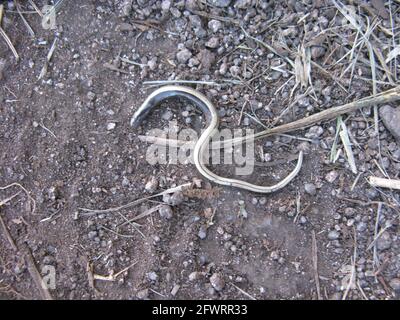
183, 56
333, 235
331, 176
165, 211
391, 119
384, 242
151, 185
217, 281
111, 126
395, 284
143, 294
310, 189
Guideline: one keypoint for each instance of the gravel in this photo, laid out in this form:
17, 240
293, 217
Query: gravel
333, 235
310, 189
384, 242
217, 281
395, 284
183, 56
165, 212
391, 118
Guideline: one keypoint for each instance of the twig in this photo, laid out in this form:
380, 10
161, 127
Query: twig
48, 58
31, 32
244, 292
37, 278
26, 192
138, 201
325, 115
112, 276
384, 183
8, 235
5, 36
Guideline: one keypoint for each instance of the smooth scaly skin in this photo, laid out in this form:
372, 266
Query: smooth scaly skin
212, 118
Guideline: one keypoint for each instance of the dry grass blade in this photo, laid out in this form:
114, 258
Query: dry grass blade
344, 135
48, 58
384, 183
30, 30
136, 202
16, 184
325, 115
5, 36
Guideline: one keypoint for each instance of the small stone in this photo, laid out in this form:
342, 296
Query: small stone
217, 281
331, 176
310, 189
384, 242
267, 157
152, 276
202, 232
143, 294
206, 58
111, 126
183, 56
317, 52
165, 5
361, 226
175, 290
152, 63
151, 185
391, 118
395, 284
212, 43
167, 115
165, 211
333, 235
274, 255
175, 199
195, 275
214, 25
92, 234
220, 3
350, 212
314, 132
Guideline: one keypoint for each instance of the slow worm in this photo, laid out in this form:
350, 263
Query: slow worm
209, 110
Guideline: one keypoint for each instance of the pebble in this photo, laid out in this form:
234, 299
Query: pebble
202, 232
331, 176
317, 52
175, 199
165, 211
214, 25
310, 188
195, 275
384, 242
152, 276
183, 56
314, 132
212, 43
143, 294
111, 126
220, 3
175, 290
151, 185
217, 281
395, 284
165, 5
167, 115
333, 235
391, 118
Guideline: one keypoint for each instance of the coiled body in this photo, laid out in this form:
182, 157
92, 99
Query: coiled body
209, 110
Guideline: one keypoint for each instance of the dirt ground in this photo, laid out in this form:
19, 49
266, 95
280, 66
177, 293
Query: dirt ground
66, 144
